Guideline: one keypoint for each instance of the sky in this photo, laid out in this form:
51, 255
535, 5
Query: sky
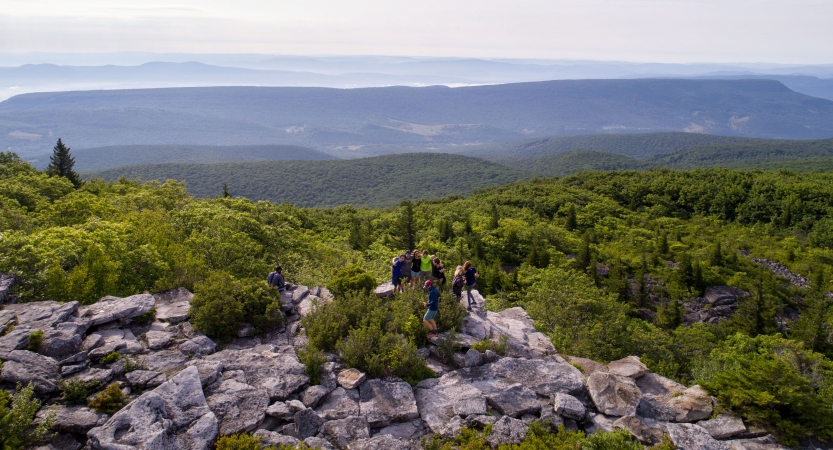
668, 31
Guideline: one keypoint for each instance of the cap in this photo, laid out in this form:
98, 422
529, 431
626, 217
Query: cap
407, 252
428, 283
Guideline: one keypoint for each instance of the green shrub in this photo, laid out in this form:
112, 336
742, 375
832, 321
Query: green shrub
243, 441
109, 401
111, 357
131, 364
448, 345
773, 382
451, 314
77, 391
145, 318
17, 414
313, 359
331, 322
223, 303
35, 340
538, 437
500, 346
352, 278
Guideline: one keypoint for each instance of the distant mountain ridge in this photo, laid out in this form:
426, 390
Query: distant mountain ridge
437, 116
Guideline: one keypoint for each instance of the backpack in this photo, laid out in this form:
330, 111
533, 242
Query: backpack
270, 279
457, 285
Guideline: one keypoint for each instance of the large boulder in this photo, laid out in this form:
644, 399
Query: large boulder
351, 378
380, 442
687, 436
723, 426
268, 438
514, 323
344, 431
565, 405
307, 423
545, 377
7, 283
198, 345
239, 407
23, 366
655, 385
339, 404
173, 306
693, 405
474, 406
642, 432
165, 361
652, 408
383, 402
313, 394
515, 401
507, 431
173, 416
276, 369
384, 290
64, 339
144, 379
73, 418
629, 366
614, 395
110, 309
760, 443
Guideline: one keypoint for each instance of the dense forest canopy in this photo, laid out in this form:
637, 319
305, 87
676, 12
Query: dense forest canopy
605, 263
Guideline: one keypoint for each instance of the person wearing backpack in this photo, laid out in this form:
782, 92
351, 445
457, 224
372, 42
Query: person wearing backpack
433, 305
470, 276
457, 282
275, 279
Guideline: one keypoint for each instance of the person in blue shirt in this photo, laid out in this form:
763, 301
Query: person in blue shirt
433, 305
470, 276
396, 273
275, 279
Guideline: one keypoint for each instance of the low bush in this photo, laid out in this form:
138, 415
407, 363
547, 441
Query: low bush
35, 340
17, 414
313, 359
109, 401
352, 278
145, 318
243, 441
111, 357
538, 437
223, 303
500, 346
77, 391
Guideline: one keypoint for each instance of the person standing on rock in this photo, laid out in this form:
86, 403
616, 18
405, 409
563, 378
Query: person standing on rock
433, 305
396, 272
416, 267
425, 270
409, 258
438, 271
275, 279
457, 283
470, 276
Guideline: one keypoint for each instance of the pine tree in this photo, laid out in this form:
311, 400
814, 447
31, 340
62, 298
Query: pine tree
662, 247
669, 315
225, 191
716, 256
406, 227
61, 164
495, 220
571, 218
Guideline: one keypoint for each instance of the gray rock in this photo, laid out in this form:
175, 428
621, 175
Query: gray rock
384, 290
490, 357
92, 341
695, 404
380, 442
545, 377
588, 366
276, 369
723, 295
339, 404
382, 402
549, 417
143, 379
473, 358
64, 339
69, 370
199, 345
110, 309
507, 431
17, 339
23, 366
568, 406
173, 306
103, 376
158, 339
295, 406
344, 431
470, 406
515, 401
74, 359
613, 395
268, 438
642, 433
723, 426
658, 386
651, 408
63, 441
480, 421
351, 378
172, 416
760, 443
406, 431
42, 315
629, 366
73, 418
599, 422
209, 370
239, 407
318, 443
280, 410
165, 361
313, 394
7, 283
120, 340
307, 423
688, 436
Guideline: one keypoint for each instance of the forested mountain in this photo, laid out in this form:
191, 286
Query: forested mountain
711, 276
379, 181
126, 155
435, 116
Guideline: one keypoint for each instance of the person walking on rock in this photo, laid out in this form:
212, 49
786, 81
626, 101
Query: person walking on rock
470, 276
433, 305
275, 279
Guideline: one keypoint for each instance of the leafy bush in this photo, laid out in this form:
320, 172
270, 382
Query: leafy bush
773, 382
109, 401
17, 414
498, 347
145, 318
352, 278
451, 314
222, 304
243, 441
448, 345
111, 357
313, 359
538, 437
35, 340
77, 391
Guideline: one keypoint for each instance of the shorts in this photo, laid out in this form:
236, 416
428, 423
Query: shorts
415, 274
429, 315
396, 281
426, 274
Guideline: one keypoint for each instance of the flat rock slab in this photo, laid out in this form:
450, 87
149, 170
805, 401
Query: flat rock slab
588, 366
23, 366
351, 378
239, 407
761, 443
165, 361
470, 407
339, 404
629, 366
695, 404
110, 309
614, 395
344, 431
383, 403
173, 306
380, 442
723, 426
515, 401
143, 379
158, 339
566, 405
688, 436
173, 416
276, 369
73, 419
198, 345
658, 386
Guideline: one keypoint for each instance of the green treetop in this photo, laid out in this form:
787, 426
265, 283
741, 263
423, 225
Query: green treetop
61, 164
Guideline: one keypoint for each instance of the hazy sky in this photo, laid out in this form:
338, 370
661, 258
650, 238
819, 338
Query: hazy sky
782, 31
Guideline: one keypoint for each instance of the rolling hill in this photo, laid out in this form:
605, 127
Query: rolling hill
428, 116
379, 181
126, 155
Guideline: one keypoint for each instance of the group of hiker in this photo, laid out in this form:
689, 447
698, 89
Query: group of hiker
415, 267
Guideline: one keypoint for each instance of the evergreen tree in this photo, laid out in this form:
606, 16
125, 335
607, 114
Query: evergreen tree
445, 230
406, 227
225, 191
571, 218
617, 281
685, 271
495, 219
814, 326
584, 257
662, 247
669, 315
61, 164
642, 294
716, 255
538, 256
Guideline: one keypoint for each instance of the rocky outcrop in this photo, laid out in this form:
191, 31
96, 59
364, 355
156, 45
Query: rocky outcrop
73, 419
383, 403
7, 283
173, 306
110, 309
718, 302
22, 366
614, 395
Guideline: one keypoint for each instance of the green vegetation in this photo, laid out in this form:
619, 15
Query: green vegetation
17, 415
109, 401
77, 391
35, 340
539, 437
145, 318
379, 181
61, 164
111, 357
352, 278
246, 441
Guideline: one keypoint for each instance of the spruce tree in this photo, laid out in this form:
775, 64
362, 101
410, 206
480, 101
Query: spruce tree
571, 224
61, 164
225, 191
